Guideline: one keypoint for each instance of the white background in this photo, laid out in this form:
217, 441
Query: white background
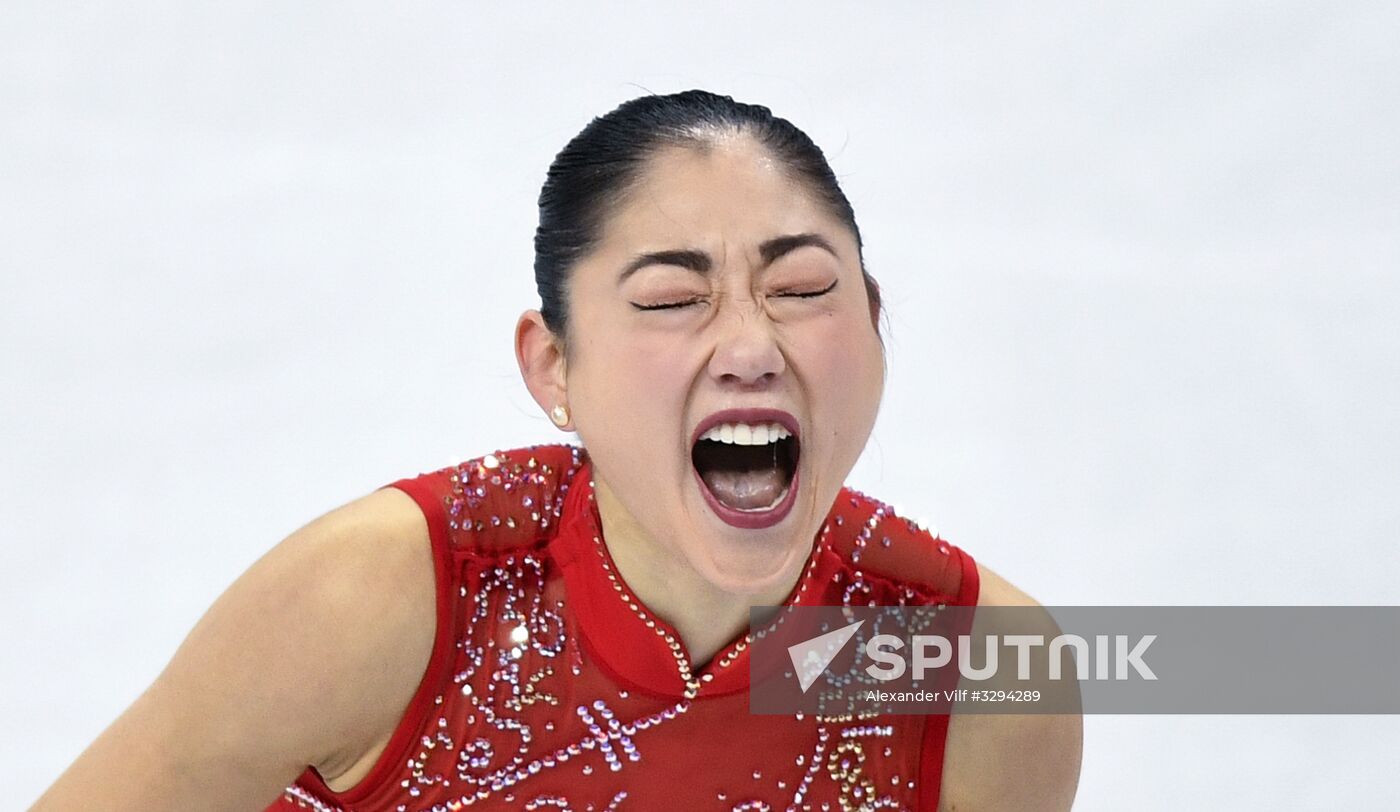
1140, 264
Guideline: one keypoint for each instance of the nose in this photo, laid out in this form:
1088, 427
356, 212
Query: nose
746, 354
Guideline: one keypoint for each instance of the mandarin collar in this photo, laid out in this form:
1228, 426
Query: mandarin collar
624, 635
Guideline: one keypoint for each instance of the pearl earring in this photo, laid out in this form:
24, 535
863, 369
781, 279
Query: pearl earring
560, 415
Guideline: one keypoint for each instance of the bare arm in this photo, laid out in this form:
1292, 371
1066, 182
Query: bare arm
1010, 763
309, 658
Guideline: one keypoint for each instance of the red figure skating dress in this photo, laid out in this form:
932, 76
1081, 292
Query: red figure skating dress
552, 687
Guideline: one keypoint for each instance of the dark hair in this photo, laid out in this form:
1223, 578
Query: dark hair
596, 169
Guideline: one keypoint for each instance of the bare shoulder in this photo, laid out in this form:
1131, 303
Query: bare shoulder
309, 658
995, 590
1006, 762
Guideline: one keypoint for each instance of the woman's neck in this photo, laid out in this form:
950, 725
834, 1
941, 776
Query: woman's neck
706, 617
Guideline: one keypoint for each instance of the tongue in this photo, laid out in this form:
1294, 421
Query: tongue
745, 490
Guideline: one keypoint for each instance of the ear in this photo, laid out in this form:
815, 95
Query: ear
541, 361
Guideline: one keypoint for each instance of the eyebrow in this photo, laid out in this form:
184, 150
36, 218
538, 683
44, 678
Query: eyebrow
700, 262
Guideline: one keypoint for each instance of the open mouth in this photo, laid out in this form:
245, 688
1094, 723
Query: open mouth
748, 470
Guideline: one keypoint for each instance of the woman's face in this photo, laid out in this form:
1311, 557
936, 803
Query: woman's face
720, 284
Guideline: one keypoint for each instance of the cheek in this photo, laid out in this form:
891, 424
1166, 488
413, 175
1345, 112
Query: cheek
627, 388
845, 368
649, 370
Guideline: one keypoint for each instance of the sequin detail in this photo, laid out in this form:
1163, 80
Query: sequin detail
528, 717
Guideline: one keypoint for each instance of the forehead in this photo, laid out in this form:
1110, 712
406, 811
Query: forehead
733, 194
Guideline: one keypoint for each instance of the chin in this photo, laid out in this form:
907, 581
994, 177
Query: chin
756, 565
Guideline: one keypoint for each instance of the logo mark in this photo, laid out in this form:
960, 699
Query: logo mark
811, 657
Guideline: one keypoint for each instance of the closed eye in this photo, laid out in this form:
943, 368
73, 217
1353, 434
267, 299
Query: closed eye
809, 294
667, 305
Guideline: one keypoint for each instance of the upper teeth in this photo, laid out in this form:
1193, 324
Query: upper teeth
746, 433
